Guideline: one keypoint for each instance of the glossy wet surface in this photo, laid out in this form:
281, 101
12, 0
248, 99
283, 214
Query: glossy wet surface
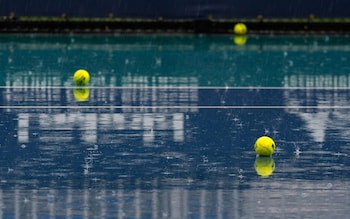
160, 142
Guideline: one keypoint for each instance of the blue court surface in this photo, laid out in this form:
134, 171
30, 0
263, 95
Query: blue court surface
167, 124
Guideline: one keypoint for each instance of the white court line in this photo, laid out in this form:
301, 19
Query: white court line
174, 107
178, 87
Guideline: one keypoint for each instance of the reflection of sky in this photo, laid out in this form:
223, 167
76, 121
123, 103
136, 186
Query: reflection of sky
277, 200
319, 122
89, 123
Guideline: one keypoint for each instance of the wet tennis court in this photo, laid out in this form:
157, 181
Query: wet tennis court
167, 125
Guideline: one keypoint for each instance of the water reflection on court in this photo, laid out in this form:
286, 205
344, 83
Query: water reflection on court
167, 125
173, 152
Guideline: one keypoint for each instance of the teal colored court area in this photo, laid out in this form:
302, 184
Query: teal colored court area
190, 60
167, 124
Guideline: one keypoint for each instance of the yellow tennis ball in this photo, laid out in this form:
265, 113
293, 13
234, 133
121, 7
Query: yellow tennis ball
81, 77
240, 29
264, 166
265, 146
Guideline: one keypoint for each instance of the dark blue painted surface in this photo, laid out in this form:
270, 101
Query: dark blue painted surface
193, 9
221, 137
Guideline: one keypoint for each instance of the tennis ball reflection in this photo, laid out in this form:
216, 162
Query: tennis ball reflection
240, 40
264, 166
81, 94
